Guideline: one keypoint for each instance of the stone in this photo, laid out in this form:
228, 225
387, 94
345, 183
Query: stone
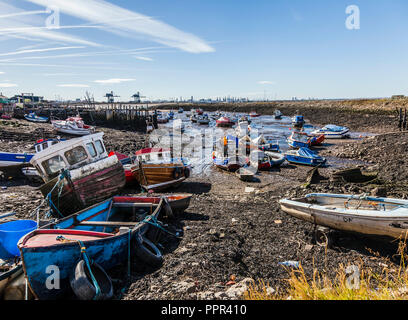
249, 190
237, 290
184, 287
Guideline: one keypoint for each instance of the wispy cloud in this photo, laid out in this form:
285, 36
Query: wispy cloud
143, 58
111, 16
23, 13
2, 72
113, 81
8, 85
73, 85
266, 82
38, 50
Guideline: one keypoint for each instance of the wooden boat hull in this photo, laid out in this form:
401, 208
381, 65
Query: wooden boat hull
40, 248
160, 176
88, 185
369, 222
8, 276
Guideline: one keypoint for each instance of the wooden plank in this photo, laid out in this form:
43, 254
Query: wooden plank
108, 224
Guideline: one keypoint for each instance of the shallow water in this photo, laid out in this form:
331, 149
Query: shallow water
197, 142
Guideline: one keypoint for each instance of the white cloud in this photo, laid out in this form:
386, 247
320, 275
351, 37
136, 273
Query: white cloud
1, 72
111, 16
38, 50
113, 81
143, 58
8, 85
73, 85
266, 82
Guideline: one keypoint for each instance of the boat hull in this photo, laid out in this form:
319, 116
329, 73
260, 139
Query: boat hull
160, 176
88, 185
14, 160
304, 161
346, 220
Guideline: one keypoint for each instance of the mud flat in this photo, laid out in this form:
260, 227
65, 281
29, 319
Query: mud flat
236, 228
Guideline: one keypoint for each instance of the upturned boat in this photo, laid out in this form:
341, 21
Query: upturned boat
73, 125
108, 232
156, 170
354, 213
32, 117
304, 156
333, 132
88, 174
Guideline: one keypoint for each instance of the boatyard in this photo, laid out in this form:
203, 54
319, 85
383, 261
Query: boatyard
233, 232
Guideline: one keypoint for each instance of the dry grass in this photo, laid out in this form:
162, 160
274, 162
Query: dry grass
389, 284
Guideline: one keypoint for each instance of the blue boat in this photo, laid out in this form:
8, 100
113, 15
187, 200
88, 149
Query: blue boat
32, 117
10, 160
304, 156
332, 131
107, 230
298, 140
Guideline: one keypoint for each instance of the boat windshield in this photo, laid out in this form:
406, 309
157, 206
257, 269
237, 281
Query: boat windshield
76, 155
53, 165
99, 146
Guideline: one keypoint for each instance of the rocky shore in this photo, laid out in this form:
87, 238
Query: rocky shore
234, 231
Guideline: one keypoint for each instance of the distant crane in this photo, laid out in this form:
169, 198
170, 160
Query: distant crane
110, 96
137, 97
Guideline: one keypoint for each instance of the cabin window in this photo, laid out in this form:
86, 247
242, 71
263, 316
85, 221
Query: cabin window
53, 165
45, 145
37, 148
160, 155
76, 155
99, 146
91, 149
54, 142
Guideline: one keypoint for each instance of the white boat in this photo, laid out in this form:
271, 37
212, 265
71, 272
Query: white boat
242, 129
361, 214
74, 126
203, 120
332, 131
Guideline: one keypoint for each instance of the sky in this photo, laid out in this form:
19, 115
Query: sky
164, 49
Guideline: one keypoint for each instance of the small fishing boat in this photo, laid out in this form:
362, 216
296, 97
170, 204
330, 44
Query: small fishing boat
266, 160
242, 129
298, 121
127, 163
353, 213
225, 122
73, 125
203, 120
276, 159
265, 144
32, 117
222, 157
88, 175
194, 118
304, 156
245, 174
302, 140
109, 232
180, 110
333, 132
14, 161
6, 117
162, 119
170, 115
199, 111
156, 170
278, 115
254, 114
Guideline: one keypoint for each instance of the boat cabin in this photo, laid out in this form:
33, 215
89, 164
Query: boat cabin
42, 144
69, 154
154, 155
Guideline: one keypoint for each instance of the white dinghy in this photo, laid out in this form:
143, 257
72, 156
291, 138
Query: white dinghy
361, 214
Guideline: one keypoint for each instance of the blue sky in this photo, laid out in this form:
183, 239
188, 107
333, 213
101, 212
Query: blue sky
204, 48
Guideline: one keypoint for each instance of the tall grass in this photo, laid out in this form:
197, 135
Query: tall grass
389, 284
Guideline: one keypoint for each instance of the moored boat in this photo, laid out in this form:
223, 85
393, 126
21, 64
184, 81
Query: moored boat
353, 213
333, 132
254, 114
156, 170
245, 174
73, 125
224, 122
32, 117
13, 161
88, 174
298, 121
304, 156
94, 231
278, 114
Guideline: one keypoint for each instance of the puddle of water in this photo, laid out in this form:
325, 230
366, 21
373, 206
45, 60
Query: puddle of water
198, 140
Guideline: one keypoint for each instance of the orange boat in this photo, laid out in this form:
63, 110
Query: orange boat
156, 170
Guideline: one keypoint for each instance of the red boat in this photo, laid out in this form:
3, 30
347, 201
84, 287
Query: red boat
253, 114
6, 117
224, 122
200, 111
127, 166
317, 140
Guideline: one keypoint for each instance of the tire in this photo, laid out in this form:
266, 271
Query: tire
147, 252
176, 173
187, 173
82, 284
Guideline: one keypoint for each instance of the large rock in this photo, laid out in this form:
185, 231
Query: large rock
237, 290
